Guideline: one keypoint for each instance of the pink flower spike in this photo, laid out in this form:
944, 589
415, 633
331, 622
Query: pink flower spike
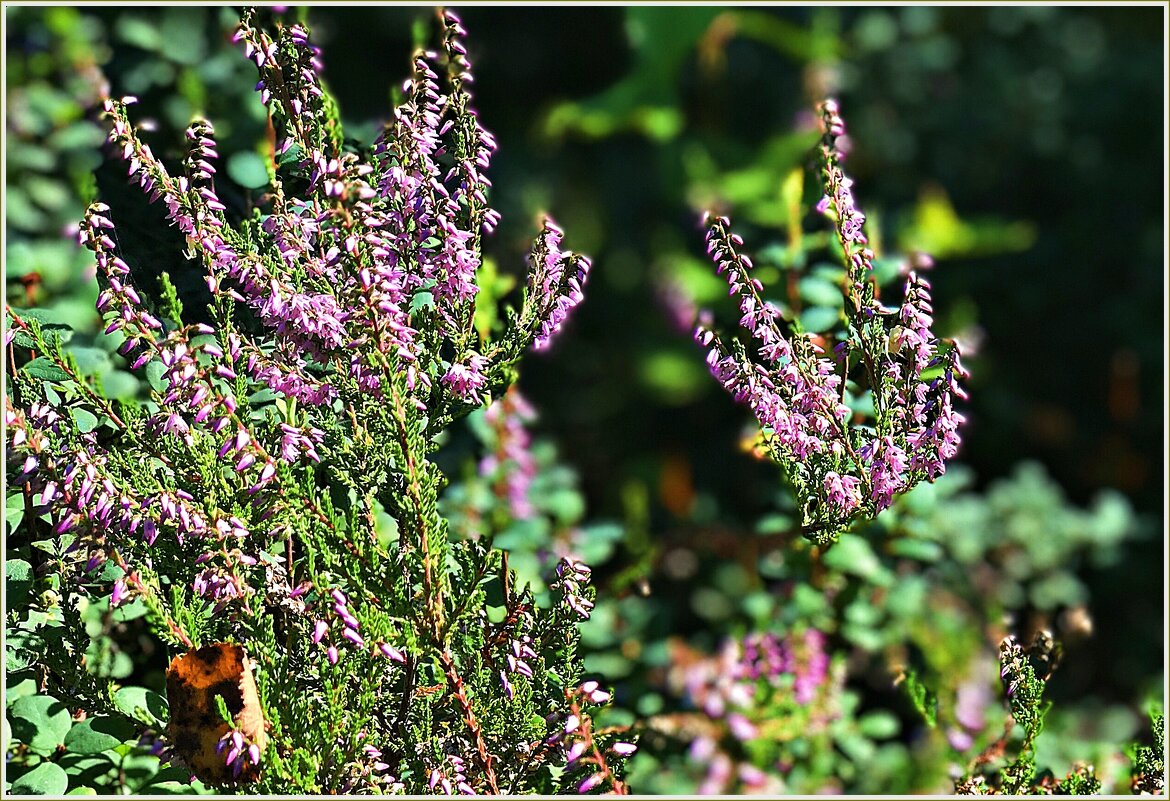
589, 783
119, 593
575, 751
319, 630
391, 652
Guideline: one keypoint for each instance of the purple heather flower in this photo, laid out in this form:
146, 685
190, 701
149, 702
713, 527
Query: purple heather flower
741, 728
576, 751
452, 779
572, 578
842, 492
556, 280
593, 692
391, 653
466, 379
796, 397
319, 629
511, 464
589, 782
520, 651
719, 773
119, 593
886, 465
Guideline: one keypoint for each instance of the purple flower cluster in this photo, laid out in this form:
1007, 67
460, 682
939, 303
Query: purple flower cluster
520, 650
342, 337
221, 584
237, 752
572, 581
840, 467
370, 273
575, 737
511, 465
350, 628
450, 777
364, 284
556, 280
726, 686
795, 392
753, 682
368, 772
85, 490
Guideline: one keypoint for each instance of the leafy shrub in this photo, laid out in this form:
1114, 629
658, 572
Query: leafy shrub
277, 490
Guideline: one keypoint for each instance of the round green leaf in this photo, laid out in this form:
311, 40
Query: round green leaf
91, 361
95, 735
117, 385
86, 421
142, 704
154, 374
853, 554
421, 300
248, 170
878, 725
45, 369
90, 770
138, 769
41, 722
19, 684
170, 787
47, 778
21, 650
819, 319
817, 291
18, 577
921, 550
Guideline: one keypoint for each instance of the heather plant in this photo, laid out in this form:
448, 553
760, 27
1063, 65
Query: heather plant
906, 602
852, 432
1149, 762
515, 486
278, 491
746, 659
1008, 766
764, 705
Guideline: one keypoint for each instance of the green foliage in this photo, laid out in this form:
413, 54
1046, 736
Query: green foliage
924, 699
1025, 673
406, 671
1149, 762
1016, 110
646, 100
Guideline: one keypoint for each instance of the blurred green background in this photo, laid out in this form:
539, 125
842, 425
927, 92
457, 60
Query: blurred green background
1023, 147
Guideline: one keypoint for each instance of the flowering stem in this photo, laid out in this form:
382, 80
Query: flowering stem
101, 402
455, 687
418, 505
151, 598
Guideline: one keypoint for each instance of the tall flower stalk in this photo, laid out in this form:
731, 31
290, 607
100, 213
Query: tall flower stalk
242, 502
843, 464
